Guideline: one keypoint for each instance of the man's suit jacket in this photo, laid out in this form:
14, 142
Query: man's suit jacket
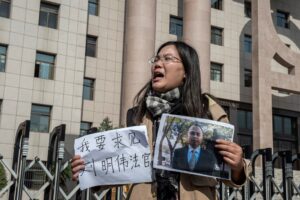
205, 163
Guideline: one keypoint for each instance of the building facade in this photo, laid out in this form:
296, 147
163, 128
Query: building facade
79, 61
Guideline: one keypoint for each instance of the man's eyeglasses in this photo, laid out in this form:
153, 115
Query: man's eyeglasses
165, 59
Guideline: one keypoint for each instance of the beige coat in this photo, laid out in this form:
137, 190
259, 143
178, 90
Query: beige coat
191, 187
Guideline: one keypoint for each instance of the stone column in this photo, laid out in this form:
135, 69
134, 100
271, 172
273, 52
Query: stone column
196, 32
139, 46
262, 55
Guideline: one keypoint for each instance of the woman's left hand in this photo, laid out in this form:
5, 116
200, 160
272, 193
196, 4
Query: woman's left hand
233, 155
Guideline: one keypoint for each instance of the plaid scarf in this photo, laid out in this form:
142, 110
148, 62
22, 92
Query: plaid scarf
159, 103
166, 181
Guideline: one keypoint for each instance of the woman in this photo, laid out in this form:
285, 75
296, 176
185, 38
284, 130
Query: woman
175, 88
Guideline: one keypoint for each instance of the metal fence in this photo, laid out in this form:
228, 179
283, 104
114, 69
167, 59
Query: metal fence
265, 186
37, 179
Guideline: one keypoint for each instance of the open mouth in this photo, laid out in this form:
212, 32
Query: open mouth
157, 76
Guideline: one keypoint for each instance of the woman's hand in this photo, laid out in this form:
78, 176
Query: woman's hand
233, 155
77, 164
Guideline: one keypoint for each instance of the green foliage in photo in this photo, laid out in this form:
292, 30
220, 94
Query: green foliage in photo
3, 180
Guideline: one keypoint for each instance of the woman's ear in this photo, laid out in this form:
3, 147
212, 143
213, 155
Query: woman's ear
184, 77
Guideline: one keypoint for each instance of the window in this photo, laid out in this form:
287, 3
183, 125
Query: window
245, 119
217, 35
244, 124
3, 50
247, 9
216, 72
217, 4
84, 127
4, 8
44, 66
285, 134
35, 176
248, 77
176, 26
284, 144
283, 19
91, 46
284, 125
88, 89
247, 43
93, 7
40, 118
48, 15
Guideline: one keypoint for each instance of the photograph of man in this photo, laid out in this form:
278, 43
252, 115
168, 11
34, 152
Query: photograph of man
193, 157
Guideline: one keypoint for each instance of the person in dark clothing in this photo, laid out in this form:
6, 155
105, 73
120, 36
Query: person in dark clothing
193, 157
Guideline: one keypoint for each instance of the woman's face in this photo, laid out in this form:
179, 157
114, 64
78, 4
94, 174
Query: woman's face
168, 71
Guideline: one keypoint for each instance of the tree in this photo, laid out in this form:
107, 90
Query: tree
105, 125
173, 133
65, 176
3, 180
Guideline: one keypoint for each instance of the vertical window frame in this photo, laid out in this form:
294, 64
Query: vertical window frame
176, 26
2, 6
217, 35
285, 138
84, 130
49, 9
247, 9
88, 89
216, 4
3, 57
283, 19
247, 43
247, 77
282, 119
248, 115
91, 46
38, 64
35, 113
94, 3
216, 70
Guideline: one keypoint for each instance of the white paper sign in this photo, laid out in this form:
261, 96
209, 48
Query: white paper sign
113, 157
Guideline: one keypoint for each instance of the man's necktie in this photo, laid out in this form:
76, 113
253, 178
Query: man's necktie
192, 161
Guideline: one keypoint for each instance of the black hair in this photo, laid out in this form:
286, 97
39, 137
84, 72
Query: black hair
190, 90
196, 124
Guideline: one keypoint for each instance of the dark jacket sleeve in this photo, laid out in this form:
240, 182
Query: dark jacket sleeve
175, 159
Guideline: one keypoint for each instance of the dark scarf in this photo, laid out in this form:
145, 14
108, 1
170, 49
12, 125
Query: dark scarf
157, 104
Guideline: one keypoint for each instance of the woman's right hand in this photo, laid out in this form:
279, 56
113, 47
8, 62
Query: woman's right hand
77, 164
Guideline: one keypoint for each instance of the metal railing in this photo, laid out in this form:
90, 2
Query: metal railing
265, 186
19, 160
258, 186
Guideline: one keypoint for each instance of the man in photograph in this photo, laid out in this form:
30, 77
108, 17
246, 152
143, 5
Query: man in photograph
193, 157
